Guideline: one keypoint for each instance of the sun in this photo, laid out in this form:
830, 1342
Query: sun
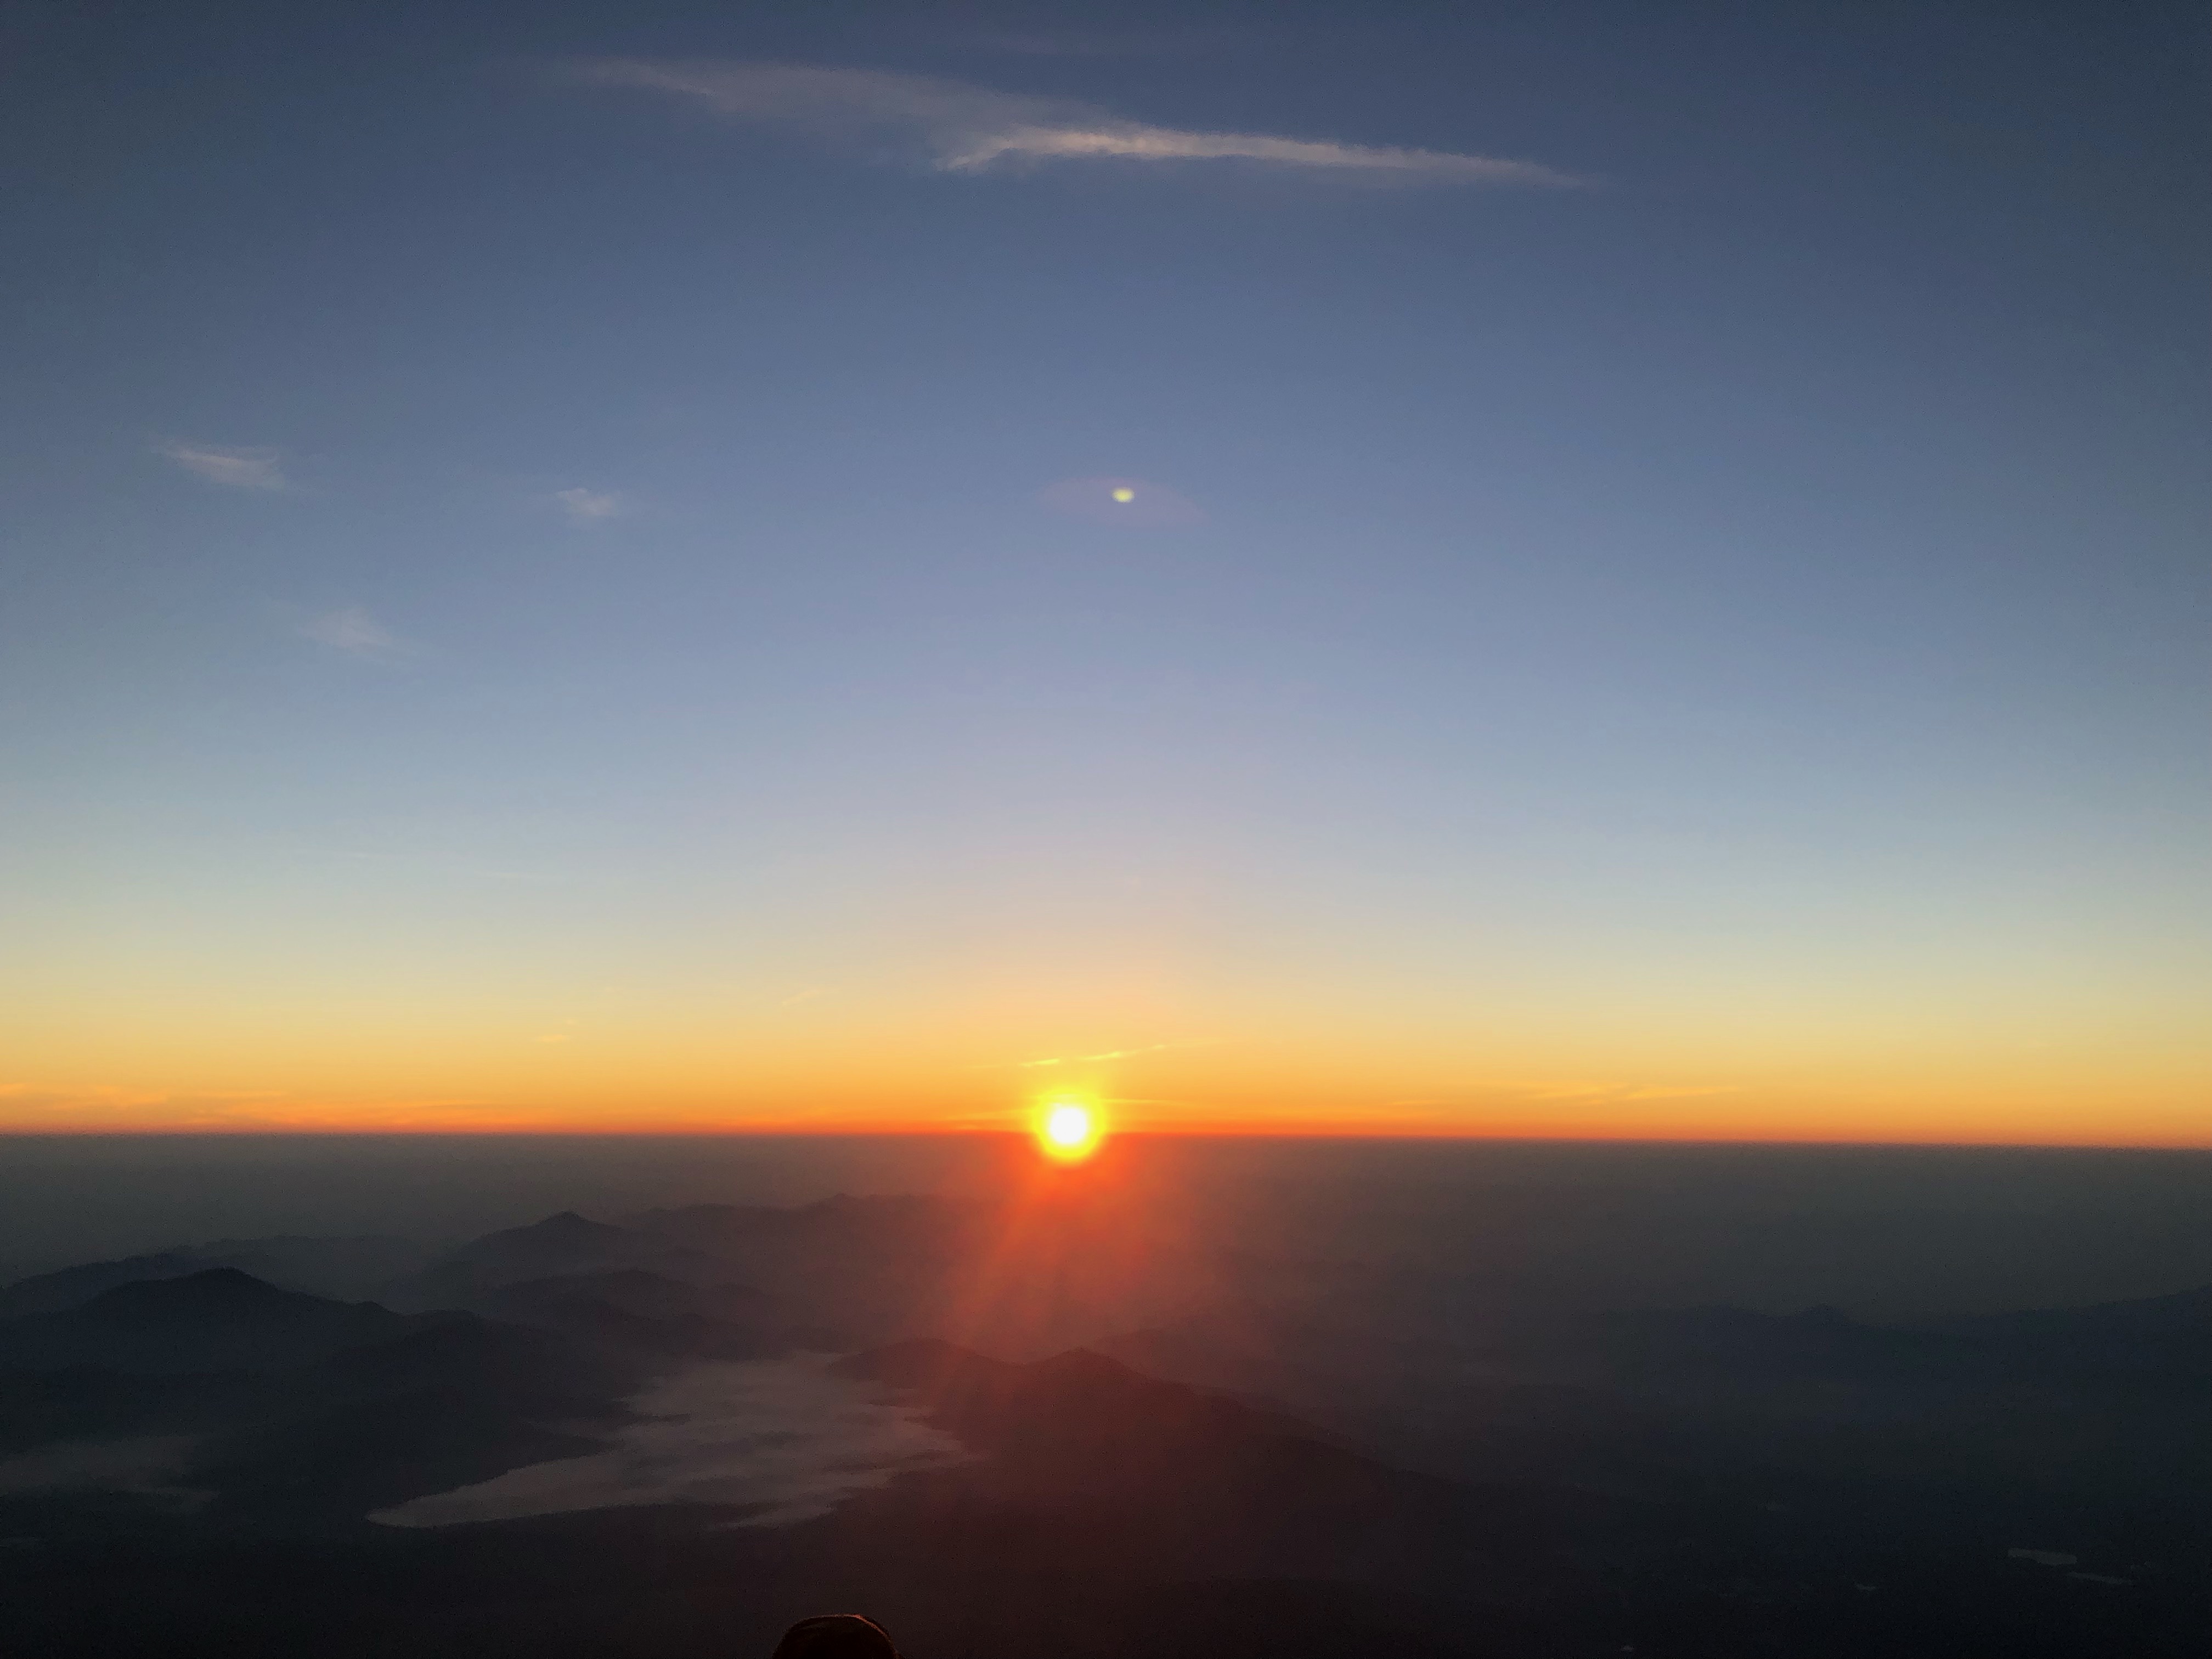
1068, 1130
1125, 494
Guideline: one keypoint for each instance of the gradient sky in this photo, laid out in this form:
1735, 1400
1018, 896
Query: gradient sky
559, 570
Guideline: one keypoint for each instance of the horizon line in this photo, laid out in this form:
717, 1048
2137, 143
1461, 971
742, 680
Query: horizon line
1018, 1134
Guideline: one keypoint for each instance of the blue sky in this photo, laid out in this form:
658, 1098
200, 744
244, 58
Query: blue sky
1696, 521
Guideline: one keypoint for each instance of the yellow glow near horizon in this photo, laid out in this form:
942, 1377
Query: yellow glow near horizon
422, 1043
1125, 494
1069, 1131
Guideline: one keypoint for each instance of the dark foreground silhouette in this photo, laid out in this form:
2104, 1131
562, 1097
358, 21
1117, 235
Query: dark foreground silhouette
1310, 1465
836, 1636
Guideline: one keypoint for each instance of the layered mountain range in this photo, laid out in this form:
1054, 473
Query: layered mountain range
998, 1427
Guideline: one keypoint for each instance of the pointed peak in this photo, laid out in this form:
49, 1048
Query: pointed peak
566, 1224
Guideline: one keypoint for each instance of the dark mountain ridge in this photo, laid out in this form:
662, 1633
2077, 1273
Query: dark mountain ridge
1183, 1475
562, 1245
1667, 1505
298, 1409
218, 1319
346, 1268
2160, 1337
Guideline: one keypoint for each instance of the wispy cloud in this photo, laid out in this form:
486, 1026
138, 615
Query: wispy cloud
1610, 1092
1570, 1090
587, 506
354, 631
111, 1108
961, 128
241, 469
1086, 1059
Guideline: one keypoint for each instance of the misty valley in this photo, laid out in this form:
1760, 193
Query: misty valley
1073, 1416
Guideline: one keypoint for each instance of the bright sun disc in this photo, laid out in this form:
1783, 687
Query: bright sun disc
1068, 1130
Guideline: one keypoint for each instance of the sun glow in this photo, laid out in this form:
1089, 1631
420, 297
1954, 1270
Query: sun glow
1068, 1130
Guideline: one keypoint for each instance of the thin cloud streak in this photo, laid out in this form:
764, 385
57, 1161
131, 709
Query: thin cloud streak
960, 128
587, 506
357, 632
109, 1108
1590, 1093
1086, 1059
240, 469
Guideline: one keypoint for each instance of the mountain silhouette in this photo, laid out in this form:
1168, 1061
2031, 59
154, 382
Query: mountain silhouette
72, 1287
216, 1320
347, 1268
1358, 1475
1168, 1473
648, 1295
651, 1313
2160, 1340
455, 1399
1027, 1278
301, 1406
562, 1245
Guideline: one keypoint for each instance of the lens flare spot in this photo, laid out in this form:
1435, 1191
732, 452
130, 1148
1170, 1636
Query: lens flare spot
1125, 494
1068, 1130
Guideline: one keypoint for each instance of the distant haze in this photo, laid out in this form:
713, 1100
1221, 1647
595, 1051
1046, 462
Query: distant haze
1880, 1230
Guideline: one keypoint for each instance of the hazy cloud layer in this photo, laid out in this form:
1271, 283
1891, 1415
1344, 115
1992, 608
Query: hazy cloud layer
113, 1111
241, 469
145, 1467
587, 506
354, 631
960, 128
785, 1435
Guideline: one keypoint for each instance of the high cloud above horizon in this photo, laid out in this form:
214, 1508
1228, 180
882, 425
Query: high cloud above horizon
241, 469
960, 128
587, 506
354, 631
